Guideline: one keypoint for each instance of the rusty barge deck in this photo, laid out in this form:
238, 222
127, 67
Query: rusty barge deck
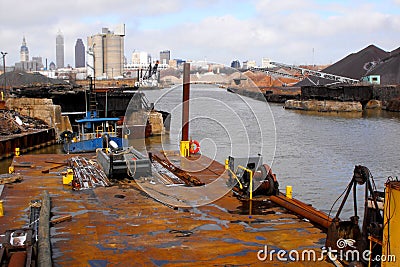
121, 225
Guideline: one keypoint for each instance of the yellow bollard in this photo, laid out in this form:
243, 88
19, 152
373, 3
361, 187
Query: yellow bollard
11, 169
17, 153
289, 191
184, 148
1, 208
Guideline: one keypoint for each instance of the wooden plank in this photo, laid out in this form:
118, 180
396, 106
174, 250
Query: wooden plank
44, 248
61, 219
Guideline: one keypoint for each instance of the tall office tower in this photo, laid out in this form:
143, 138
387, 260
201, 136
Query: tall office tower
106, 53
59, 50
165, 56
24, 52
79, 54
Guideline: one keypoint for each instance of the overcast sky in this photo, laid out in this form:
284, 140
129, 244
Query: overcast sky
287, 31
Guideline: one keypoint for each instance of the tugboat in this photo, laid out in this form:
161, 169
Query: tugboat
93, 132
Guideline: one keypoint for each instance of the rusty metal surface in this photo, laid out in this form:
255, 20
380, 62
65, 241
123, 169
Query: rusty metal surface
304, 210
18, 259
122, 226
195, 170
26, 141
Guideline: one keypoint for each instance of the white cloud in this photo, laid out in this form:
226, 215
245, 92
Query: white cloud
284, 30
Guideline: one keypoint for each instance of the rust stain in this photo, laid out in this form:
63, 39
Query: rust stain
122, 226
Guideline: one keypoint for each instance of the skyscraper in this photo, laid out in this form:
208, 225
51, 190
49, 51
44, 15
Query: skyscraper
107, 51
165, 56
60, 50
25, 64
24, 52
79, 54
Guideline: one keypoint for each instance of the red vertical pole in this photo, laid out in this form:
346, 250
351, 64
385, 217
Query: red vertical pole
185, 102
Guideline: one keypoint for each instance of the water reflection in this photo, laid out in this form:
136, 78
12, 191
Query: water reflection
53, 149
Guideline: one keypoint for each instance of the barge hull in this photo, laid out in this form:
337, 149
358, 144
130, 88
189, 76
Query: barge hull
26, 142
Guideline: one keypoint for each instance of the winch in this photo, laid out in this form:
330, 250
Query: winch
251, 177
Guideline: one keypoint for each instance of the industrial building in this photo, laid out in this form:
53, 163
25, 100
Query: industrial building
106, 53
165, 56
141, 59
248, 64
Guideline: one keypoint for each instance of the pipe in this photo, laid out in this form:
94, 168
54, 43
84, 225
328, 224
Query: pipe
302, 209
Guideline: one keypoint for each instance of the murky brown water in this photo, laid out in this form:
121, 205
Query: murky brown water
315, 152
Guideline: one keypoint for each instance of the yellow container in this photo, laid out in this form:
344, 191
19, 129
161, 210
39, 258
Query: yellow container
391, 229
11, 169
67, 179
17, 152
289, 191
1, 208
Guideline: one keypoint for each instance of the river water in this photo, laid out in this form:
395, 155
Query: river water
315, 153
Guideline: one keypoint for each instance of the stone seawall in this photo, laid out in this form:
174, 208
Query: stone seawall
324, 106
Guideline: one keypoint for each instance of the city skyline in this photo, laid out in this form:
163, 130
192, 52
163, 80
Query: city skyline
303, 32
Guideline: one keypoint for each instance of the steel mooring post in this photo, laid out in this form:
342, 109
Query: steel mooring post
184, 145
